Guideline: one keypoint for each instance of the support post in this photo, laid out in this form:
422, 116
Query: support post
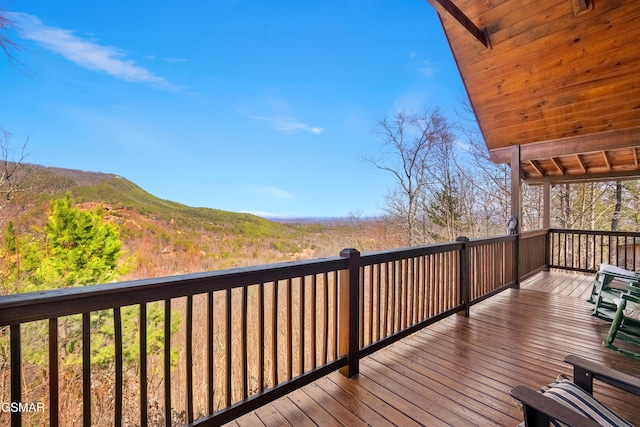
516, 189
546, 201
465, 278
546, 221
348, 319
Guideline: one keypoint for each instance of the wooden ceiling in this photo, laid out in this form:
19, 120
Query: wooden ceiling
559, 78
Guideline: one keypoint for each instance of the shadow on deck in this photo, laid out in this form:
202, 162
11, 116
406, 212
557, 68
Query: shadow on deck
460, 371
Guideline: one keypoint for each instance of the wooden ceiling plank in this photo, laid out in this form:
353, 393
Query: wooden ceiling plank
610, 140
459, 16
556, 163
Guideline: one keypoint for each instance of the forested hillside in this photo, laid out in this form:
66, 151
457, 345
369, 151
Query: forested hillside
161, 237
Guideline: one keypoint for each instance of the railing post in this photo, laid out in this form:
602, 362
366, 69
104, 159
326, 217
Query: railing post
465, 279
547, 249
349, 327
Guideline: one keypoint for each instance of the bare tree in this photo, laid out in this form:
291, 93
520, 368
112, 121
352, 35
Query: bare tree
13, 170
408, 140
6, 44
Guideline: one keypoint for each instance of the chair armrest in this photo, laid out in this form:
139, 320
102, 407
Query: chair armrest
584, 371
538, 410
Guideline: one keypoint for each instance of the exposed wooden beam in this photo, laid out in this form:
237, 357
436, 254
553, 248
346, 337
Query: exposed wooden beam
581, 6
581, 163
607, 161
610, 140
463, 19
536, 167
556, 163
593, 177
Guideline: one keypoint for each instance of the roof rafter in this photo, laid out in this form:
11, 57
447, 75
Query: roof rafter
581, 163
607, 161
581, 6
556, 163
536, 167
458, 15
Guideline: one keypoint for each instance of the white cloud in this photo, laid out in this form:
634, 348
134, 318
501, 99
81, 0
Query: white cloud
427, 70
287, 124
271, 192
174, 60
85, 53
281, 118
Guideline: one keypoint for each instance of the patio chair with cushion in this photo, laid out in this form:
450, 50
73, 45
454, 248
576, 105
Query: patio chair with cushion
572, 403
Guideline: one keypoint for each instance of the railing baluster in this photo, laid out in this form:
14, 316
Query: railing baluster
144, 412
210, 361
314, 315
167, 362
405, 275
325, 349
387, 298
371, 302
274, 333
288, 305
16, 373
189, 357
361, 332
301, 353
379, 300
54, 378
261, 349
117, 335
335, 314
228, 339
243, 341
86, 369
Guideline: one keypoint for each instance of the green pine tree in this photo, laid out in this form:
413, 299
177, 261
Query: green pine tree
79, 249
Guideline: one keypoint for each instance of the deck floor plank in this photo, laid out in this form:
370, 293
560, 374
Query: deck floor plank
460, 371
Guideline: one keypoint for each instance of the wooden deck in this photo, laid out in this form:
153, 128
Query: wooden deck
460, 371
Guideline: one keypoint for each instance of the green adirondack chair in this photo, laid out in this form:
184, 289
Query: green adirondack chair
610, 282
626, 323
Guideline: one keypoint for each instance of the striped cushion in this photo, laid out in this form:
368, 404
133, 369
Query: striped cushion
573, 397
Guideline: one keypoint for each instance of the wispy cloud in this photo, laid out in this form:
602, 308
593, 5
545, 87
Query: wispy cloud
174, 60
426, 70
271, 192
286, 124
85, 53
282, 119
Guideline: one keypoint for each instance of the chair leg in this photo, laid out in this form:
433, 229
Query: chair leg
615, 325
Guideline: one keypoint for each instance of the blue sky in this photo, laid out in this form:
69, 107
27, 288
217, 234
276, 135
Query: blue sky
245, 105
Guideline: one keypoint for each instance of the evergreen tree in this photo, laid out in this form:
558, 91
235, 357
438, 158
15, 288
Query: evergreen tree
80, 248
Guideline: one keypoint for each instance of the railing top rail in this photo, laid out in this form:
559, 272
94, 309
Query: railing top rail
490, 240
27, 307
534, 233
596, 232
370, 258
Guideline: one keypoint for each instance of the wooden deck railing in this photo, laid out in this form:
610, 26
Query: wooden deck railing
206, 348
583, 250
